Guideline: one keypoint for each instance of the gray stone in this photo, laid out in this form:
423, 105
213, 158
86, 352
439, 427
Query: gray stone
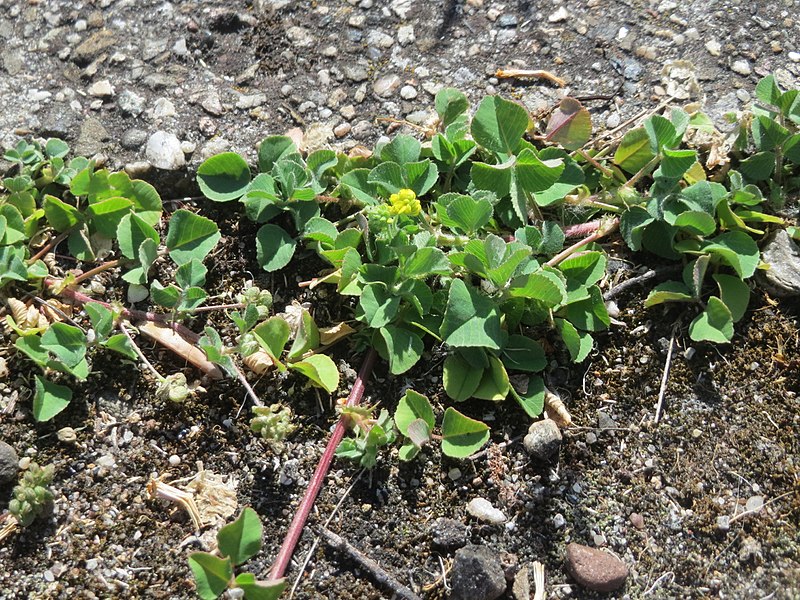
163, 108
380, 39
742, 67
356, 72
408, 92
133, 139
521, 588
300, 36
12, 61
154, 47
214, 146
543, 440
604, 420
405, 35
386, 85
92, 46
9, 463
448, 534
482, 509
507, 20
131, 103
211, 103
91, 137
594, 569
164, 151
477, 575
782, 279
246, 102
60, 122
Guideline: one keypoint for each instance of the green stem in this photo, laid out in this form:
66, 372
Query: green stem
644, 171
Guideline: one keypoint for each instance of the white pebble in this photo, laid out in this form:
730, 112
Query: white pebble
714, 47
408, 92
482, 509
742, 67
174, 460
754, 503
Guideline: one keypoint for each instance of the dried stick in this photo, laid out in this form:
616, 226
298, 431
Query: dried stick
639, 279
377, 573
327, 522
665, 376
314, 486
535, 73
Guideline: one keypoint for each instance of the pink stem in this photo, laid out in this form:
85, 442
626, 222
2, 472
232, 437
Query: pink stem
129, 313
314, 486
582, 229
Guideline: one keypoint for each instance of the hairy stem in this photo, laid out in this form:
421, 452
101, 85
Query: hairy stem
603, 230
314, 486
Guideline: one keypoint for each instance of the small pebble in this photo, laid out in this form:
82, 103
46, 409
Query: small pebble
742, 67
454, 474
723, 522
754, 503
482, 509
67, 435
408, 92
174, 460
637, 520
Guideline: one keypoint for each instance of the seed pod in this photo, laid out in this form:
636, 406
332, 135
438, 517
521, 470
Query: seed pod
556, 410
259, 362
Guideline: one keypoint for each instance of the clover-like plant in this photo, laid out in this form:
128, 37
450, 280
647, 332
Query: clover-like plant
370, 433
237, 543
414, 417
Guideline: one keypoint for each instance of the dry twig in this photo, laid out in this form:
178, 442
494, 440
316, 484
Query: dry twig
378, 574
530, 73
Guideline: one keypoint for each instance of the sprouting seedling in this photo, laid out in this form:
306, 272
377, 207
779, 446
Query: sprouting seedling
32, 494
369, 434
236, 544
273, 423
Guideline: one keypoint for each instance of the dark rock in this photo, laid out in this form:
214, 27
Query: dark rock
782, 279
594, 569
543, 440
448, 534
133, 139
9, 463
60, 122
477, 575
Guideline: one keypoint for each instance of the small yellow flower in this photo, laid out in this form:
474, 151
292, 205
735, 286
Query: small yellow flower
404, 203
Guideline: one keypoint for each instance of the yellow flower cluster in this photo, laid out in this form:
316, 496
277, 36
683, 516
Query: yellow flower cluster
404, 203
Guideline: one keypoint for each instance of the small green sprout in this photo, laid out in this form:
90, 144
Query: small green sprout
274, 422
370, 434
32, 494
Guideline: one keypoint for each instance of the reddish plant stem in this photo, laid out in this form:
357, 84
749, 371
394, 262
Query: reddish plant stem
98, 269
602, 231
49, 246
314, 486
582, 229
129, 313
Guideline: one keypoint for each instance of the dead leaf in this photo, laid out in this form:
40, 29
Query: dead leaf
331, 335
169, 338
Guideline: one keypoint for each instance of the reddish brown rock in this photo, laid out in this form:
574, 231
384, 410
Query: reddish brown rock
594, 569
